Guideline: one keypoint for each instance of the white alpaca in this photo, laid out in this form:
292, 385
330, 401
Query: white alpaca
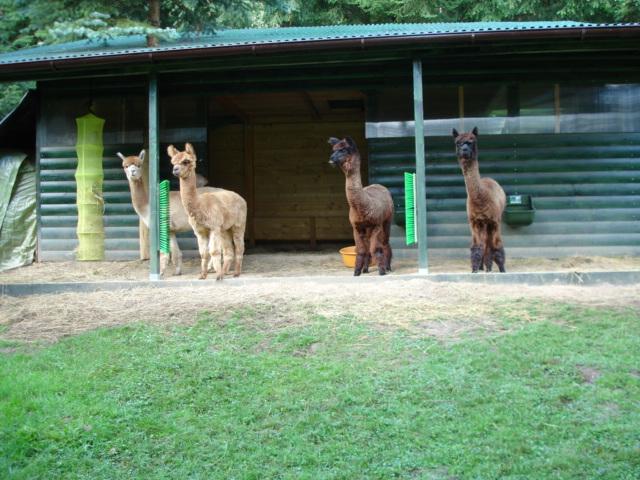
179, 221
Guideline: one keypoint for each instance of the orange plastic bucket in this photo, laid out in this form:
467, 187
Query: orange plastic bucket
349, 257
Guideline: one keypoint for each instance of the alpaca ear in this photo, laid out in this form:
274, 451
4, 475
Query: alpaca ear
189, 149
475, 131
350, 142
455, 133
171, 150
333, 141
141, 155
122, 157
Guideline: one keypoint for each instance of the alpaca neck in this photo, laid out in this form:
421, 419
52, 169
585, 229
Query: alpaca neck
354, 189
140, 199
188, 193
472, 182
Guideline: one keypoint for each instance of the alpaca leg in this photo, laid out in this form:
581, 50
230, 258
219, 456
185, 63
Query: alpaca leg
227, 252
498, 250
176, 255
366, 262
376, 241
368, 254
488, 248
215, 240
164, 260
386, 247
362, 248
477, 246
238, 244
204, 254
476, 257
499, 258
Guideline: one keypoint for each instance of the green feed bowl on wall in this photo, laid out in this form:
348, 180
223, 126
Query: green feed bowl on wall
519, 211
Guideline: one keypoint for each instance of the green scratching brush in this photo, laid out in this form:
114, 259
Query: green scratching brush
410, 207
164, 216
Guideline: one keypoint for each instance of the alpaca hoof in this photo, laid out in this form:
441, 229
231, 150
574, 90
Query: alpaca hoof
356, 273
382, 272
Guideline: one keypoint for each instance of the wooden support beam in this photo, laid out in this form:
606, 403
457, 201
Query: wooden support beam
556, 106
313, 236
315, 114
154, 159
421, 194
249, 181
143, 231
229, 105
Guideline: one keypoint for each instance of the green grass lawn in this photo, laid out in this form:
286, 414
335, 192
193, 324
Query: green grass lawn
555, 396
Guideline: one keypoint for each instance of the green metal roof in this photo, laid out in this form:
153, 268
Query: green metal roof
273, 36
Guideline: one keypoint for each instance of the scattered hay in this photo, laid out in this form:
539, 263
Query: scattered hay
416, 306
325, 261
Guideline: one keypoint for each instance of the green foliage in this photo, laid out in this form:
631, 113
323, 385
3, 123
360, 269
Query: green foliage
11, 94
26, 23
100, 27
316, 12
328, 397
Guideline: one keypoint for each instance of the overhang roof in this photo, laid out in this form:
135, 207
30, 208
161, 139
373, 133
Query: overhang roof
255, 41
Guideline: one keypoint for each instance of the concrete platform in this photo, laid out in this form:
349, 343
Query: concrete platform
532, 278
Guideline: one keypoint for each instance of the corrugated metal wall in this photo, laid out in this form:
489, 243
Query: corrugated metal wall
585, 187
59, 213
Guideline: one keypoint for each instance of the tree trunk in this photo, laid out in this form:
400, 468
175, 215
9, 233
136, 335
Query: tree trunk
154, 21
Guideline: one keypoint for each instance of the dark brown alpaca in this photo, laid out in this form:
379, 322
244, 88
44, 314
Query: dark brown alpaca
370, 209
485, 204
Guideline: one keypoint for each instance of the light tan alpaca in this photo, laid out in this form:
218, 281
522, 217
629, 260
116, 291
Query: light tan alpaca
179, 221
210, 216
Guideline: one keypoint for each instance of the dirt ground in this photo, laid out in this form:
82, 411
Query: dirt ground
295, 261
291, 294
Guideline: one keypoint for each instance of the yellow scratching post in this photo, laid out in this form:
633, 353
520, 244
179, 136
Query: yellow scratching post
89, 177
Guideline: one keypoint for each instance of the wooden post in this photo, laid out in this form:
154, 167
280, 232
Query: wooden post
461, 107
421, 195
154, 147
556, 106
313, 236
143, 231
249, 181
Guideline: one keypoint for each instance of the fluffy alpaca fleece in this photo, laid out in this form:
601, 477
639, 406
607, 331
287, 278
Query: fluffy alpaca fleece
218, 221
485, 203
179, 222
370, 209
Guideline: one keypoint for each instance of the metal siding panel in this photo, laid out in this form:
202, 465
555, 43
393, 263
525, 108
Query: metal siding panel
586, 188
58, 211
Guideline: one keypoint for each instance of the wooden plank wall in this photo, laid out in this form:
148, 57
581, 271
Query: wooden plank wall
297, 195
585, 187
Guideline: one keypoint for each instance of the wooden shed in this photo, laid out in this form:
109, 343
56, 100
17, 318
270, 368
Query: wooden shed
557, 105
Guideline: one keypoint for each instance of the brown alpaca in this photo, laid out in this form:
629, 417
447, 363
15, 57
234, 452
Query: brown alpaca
370, 209
485, 203
211, 216
179, 222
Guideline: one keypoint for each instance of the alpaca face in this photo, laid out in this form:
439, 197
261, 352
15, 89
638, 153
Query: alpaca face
132, 165
466, 145
345, 154
184, 163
